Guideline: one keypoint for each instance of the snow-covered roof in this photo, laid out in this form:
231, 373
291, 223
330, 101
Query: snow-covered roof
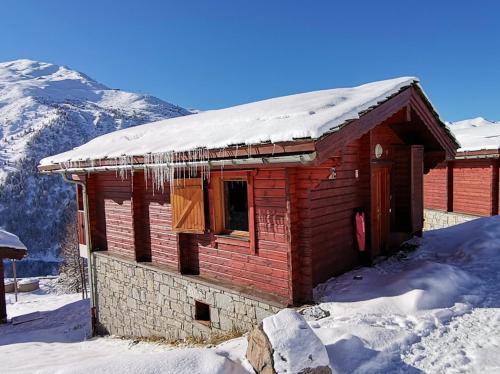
306, 115
9, 240
476, 134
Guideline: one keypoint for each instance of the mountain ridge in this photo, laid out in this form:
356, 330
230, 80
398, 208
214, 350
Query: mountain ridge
47, 109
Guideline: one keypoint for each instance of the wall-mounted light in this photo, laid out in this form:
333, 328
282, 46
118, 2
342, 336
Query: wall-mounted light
356, 174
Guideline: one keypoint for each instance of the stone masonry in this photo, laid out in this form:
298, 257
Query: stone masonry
137, 299
438, 219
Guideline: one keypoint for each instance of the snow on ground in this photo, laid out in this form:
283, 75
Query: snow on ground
433, 310
58, 343
295, 345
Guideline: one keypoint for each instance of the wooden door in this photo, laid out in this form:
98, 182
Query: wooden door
380, 210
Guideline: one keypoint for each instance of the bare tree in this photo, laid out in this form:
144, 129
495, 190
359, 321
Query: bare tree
72, 269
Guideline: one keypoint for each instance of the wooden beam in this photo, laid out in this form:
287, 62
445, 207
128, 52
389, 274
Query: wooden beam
263, 150
12, 253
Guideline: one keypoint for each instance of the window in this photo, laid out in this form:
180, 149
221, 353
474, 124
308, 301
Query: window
202, 312
232, 211
235, 206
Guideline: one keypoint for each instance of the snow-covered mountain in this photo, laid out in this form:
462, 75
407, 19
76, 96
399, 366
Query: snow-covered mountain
476, 133
47, 109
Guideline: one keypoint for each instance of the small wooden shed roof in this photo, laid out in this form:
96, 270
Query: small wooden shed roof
11, 247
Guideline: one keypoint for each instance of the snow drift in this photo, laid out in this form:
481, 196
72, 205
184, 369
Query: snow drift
295, 345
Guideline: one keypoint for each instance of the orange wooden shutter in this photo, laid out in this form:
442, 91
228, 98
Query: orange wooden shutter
188, 213
216, 204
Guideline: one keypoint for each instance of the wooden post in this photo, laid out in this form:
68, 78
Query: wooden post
3, 307
449, 185
15, 278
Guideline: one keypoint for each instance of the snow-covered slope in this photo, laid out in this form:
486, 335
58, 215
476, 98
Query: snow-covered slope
476, 134
47, 109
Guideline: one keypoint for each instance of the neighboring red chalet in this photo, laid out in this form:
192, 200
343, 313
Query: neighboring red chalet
273, 217
468, 184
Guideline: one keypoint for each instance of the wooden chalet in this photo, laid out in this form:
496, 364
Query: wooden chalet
469, 183
275, 218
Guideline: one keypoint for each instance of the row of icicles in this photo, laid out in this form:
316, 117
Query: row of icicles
164, 167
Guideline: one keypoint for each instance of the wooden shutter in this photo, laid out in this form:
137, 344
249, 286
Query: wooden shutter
188, 213
216, 204
417, 187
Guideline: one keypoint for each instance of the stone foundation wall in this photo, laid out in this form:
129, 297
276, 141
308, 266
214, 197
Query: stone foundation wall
438, 219
135, 299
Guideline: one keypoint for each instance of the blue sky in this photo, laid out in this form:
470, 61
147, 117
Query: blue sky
212, 54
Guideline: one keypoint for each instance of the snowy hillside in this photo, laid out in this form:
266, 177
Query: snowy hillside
47, 109
476, 134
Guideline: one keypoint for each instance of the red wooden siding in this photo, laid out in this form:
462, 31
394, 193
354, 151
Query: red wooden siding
209, 255
474, 188
118, 214
232, 259
322, 217
81, 227
469, 186
158, 218
436, 188
331, 206
96, 213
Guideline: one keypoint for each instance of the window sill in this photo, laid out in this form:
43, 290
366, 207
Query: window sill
242, 238
241, 243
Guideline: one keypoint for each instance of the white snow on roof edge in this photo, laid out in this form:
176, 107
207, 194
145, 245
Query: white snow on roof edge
306, 115
9, 240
